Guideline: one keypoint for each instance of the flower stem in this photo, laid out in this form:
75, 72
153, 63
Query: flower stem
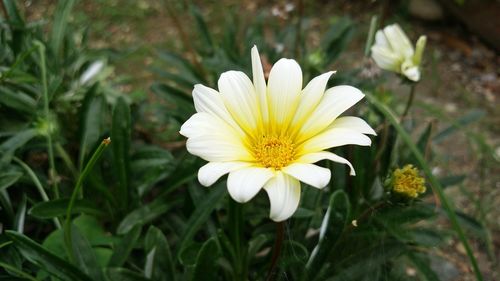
235, 220
52, 167
278, 243
88, 168
409, 102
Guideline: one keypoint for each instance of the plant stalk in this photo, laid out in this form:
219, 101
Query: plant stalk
88, 168
409, 102
52, 167
278, 243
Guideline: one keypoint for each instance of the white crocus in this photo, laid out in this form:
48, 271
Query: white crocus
393, 51
269, 135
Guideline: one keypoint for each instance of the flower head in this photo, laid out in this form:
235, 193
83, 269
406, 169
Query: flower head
268, 135
408, 182
393, 51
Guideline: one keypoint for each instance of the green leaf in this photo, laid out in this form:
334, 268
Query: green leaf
206, 262
473, 225
120, 136
180, 105
144, 214
181, 64
364, 262
159, 265
423, 267
8, 147
470, 117
62, 13
125, 247
451, 180
17, 100
8, 178
20, 215
334, 222
58, 207
201, 214
91, 124
202, 29
47, 261
123, 274
6, 204
84, 255
150, 165
13, 13
336, 39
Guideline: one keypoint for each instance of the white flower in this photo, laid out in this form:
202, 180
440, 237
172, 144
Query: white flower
393, 51
269, 136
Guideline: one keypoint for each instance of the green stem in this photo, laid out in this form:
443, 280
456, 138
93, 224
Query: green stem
88, 168
371, 35
432, 180
278, 243
38, 185
235, 220
66, 159
52, 167
409, 102
17, 271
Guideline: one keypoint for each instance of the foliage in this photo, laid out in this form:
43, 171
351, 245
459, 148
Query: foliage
137, 211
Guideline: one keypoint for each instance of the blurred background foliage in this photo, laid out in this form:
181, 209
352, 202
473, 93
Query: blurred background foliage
73, 73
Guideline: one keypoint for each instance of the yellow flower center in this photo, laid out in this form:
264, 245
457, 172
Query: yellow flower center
407, 181
273, 151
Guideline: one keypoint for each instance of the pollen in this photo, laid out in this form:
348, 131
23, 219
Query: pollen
408, 182
273, 151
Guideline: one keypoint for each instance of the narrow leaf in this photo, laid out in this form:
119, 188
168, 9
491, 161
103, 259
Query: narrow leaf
206, 262
58, 207
162, 265
84, 255
125, 246
47, 261
121, 135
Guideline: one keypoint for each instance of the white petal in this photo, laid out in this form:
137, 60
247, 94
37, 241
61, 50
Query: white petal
322, 155
381, 40
284, 195
333, 138
202, 123
411, 72
213, 140
398, 40
419, 50
210, 101
309, 173
259, 83
284, 86
240, 99
217, 148
386, 59
311, 96
353, 123
335, 101
245, 183
212, 171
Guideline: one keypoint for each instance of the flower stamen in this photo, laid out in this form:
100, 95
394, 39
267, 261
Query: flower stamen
274, 151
